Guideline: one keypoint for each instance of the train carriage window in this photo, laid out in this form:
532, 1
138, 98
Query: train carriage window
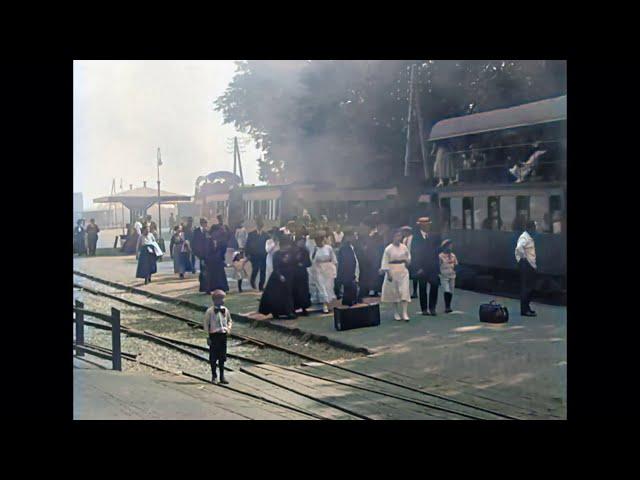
456, 213
445, 206
555, 208
539, 212
480, 211
467, 213
522, 213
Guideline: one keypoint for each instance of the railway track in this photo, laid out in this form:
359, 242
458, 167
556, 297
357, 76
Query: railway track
295, 380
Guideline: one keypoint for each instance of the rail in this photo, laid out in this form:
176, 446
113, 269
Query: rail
113, 319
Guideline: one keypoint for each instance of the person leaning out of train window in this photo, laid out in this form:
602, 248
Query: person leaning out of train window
448, 262
526, 257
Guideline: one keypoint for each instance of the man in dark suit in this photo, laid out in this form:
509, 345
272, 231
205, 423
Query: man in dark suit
199, 247
349, 270
257, 254
424, 247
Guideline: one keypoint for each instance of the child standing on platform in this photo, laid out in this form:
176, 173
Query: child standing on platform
217, 324
448, 262
239, 263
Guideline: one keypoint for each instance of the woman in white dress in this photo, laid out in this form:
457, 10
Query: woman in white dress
310, 245
271, 246
324, 269
395, 288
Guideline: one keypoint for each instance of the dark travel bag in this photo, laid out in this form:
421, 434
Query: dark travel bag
493, 312
357, 316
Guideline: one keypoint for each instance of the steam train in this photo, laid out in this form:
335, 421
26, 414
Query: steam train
475, 198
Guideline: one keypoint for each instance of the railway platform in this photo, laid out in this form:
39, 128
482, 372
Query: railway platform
519, 366
101, 394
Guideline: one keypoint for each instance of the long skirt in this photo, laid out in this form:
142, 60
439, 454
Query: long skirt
301, 295
146, 263
277, 298
324, 275
370, 279
181, 260
214, 276
396, 290
313, 287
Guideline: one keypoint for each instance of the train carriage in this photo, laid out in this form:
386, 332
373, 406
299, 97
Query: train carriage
484, 203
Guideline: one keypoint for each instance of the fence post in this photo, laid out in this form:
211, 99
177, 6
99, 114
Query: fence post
79, 328
115, 339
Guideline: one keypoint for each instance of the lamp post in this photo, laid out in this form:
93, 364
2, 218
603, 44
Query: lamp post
159, 211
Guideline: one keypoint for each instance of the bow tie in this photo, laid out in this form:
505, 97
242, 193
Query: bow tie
218, 309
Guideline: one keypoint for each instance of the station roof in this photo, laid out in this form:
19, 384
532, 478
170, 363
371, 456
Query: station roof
142, 197
543, 111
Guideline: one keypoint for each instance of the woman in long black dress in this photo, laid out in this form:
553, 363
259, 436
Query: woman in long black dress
147, 256
301, 295
215, 276
277, 298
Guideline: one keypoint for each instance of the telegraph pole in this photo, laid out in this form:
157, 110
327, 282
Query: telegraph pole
123, 232
159, 211
237, 148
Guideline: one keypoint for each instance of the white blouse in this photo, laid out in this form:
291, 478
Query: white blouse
394, 254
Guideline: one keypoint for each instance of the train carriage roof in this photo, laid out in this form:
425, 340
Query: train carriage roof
543, 111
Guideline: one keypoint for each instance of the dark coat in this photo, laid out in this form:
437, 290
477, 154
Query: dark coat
78, 240
372, 247
255, 246
198, 242
215, 276
347, 263
424, 256
301, 295
277, 298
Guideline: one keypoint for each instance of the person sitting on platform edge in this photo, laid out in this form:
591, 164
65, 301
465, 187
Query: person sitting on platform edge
217, 323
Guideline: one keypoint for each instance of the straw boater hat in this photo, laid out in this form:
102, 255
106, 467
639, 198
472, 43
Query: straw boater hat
424, 220
218, 294
406, 227
445, 242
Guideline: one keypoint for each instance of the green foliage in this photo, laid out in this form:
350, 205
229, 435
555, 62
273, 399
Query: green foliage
325, 119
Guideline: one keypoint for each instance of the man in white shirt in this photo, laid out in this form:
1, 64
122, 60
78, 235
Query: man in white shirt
526, 258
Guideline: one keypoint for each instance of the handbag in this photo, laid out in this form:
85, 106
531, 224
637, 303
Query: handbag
493, 312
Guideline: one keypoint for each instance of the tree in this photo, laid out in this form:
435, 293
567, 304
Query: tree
345, 121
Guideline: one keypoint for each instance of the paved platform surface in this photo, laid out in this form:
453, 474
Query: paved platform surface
523, 362
108, 395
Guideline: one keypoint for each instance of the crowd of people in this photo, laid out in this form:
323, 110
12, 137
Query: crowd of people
303, 264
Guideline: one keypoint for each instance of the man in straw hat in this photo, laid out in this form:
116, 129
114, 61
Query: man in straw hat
217, 324
424, 247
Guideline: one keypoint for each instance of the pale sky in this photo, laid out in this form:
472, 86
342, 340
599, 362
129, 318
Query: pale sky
124, 110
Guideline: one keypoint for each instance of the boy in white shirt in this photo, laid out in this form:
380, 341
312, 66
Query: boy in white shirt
217, 323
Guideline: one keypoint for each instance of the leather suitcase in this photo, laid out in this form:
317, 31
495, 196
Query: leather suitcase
493, 312
357, 316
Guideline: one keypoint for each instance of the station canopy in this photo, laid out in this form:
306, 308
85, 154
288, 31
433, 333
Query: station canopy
543, 111
142, 198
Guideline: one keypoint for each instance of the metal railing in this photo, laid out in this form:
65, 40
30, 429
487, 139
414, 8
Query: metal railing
113, 319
